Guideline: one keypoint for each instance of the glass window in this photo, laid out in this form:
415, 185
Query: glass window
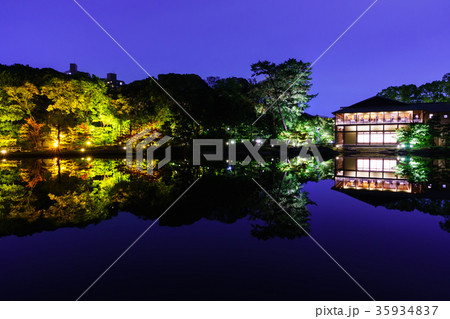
390, 165
351, 118
363, 183
363, 138
390, 127
364, 118
350, 183
403, 186
404, 117
389, 185
376, 165
377, 117
376, 127
363, 164
376, 138
390, 138
391, 117
363, 128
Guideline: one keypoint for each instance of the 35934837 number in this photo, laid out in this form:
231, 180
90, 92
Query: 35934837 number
404, 310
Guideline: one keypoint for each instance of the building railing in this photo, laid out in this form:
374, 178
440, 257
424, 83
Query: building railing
378, 121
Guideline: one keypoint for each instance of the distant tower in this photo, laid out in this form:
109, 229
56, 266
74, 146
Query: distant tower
73, 68
111, 80
111, 77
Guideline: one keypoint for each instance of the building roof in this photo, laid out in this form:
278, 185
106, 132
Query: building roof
382, 104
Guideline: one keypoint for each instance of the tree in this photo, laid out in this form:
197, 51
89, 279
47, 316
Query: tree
79, 104
21, 100
66, 103
32, 131
285, 86
416, 135
405, 93
235, 109
17, 104
318, 129
436, 91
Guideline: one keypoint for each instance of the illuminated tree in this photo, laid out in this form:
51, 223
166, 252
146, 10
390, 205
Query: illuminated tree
416, 135
81, 106
286, 87
32, 131
18, 103
21, 101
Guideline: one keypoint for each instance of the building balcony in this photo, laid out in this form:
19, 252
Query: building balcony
373, 121
379, 118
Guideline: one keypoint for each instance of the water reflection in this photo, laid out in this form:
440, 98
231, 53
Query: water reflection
404, 184
47, 194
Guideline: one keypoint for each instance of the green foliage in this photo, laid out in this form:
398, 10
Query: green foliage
69, 111
7, 141
19, 102
286, 87
317, 129
417, 135
416, 169
436, 91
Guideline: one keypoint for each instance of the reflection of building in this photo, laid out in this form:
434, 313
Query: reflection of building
373, 180
372, 174
373, 122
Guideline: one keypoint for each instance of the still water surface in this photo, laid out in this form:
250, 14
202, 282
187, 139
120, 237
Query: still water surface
63, 222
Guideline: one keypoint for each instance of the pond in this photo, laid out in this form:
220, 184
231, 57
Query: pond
63, 222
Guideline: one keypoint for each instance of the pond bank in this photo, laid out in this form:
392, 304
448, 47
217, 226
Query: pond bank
177, 151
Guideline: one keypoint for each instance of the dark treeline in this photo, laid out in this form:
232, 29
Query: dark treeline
435, 131
436, 91
43, 108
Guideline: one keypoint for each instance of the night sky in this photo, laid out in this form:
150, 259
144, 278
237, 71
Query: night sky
396, 42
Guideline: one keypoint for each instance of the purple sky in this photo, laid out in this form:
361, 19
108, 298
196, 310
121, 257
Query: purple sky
396, 42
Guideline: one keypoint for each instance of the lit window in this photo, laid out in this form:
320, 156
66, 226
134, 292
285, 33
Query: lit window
376, 165
363, 137
363, 164
390, 165
376, 138
390, 138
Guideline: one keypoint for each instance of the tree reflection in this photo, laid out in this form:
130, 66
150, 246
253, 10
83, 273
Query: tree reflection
47, 194
40, 195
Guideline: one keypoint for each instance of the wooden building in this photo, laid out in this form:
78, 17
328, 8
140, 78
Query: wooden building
374, 122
